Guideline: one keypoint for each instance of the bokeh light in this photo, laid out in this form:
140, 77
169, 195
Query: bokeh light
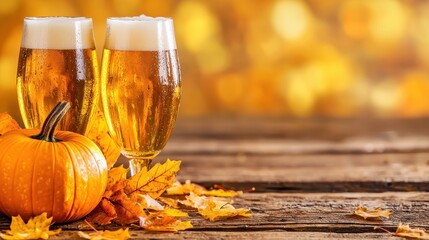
339, 58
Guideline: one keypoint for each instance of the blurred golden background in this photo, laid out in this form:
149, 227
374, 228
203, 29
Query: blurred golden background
338, 58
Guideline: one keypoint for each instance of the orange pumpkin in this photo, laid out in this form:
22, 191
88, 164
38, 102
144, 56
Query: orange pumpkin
64, 175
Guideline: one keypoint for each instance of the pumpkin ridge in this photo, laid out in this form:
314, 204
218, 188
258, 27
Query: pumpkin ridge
98, 171
72, 210
2, 208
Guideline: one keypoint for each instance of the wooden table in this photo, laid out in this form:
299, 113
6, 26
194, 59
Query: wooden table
309, 176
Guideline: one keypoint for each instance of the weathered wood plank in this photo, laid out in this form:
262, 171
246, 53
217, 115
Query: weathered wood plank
309, 173
310, 212
299, 129
261, 146
242, 235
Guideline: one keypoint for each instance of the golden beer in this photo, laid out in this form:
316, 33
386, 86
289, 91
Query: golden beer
141, 95
140, 85
57, 62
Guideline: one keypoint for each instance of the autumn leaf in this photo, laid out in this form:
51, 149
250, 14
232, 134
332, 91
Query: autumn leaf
214, 209
159, 222
125, 200
188, 187
99, 133
171, 202
404, 230
35, 228
7, 123
120, 234
153, 182
371, 213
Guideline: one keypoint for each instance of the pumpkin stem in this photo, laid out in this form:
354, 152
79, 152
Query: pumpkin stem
51, 122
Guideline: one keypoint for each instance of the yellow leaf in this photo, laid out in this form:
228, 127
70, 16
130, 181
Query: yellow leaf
158, 223
153, 182
98, 132
120, 234
115, 175
405, 231
171, 202
37, 227
174, 213
183, 189
214, 209
7, 123
372, 213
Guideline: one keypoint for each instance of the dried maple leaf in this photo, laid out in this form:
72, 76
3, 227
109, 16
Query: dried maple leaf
171, 202
153, 182
188, 187
404, 230
125, 200
120, 234
214, 209
158, 222
98, 132
35, 228
371, 213
7, 123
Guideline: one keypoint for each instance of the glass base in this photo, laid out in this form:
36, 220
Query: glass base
138, 164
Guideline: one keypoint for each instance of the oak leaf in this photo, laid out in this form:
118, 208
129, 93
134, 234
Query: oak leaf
371, 213
153, 182
7, 123
35, 228
120, 234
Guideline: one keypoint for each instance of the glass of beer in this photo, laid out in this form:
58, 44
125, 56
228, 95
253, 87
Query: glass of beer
57, 62
140, 85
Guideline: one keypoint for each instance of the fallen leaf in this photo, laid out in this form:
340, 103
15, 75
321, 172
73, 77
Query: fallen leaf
125, 200
153, 182
404, 230
7, 123
171, 202
120, 234
159, 223
371, 213
35, 228
99, 133
214, 209
188, 187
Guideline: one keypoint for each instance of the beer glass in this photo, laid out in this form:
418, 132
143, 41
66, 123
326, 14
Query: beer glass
57, 61
140, 85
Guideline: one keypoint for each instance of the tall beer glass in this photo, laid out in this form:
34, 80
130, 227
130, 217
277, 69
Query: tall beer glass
57, 62
140, 85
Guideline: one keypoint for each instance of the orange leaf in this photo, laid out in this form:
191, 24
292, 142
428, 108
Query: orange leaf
159, 223
35, 228
183, 189
404, 230
214, 209
99, 133
153, 182
371, 213
7, 123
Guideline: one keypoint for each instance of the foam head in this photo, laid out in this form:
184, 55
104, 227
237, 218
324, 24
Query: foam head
57, 33
140, 33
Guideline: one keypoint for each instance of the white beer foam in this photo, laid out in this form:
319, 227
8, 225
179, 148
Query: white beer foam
140, 33
57, 33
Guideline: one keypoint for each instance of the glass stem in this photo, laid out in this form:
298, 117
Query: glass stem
137, 164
